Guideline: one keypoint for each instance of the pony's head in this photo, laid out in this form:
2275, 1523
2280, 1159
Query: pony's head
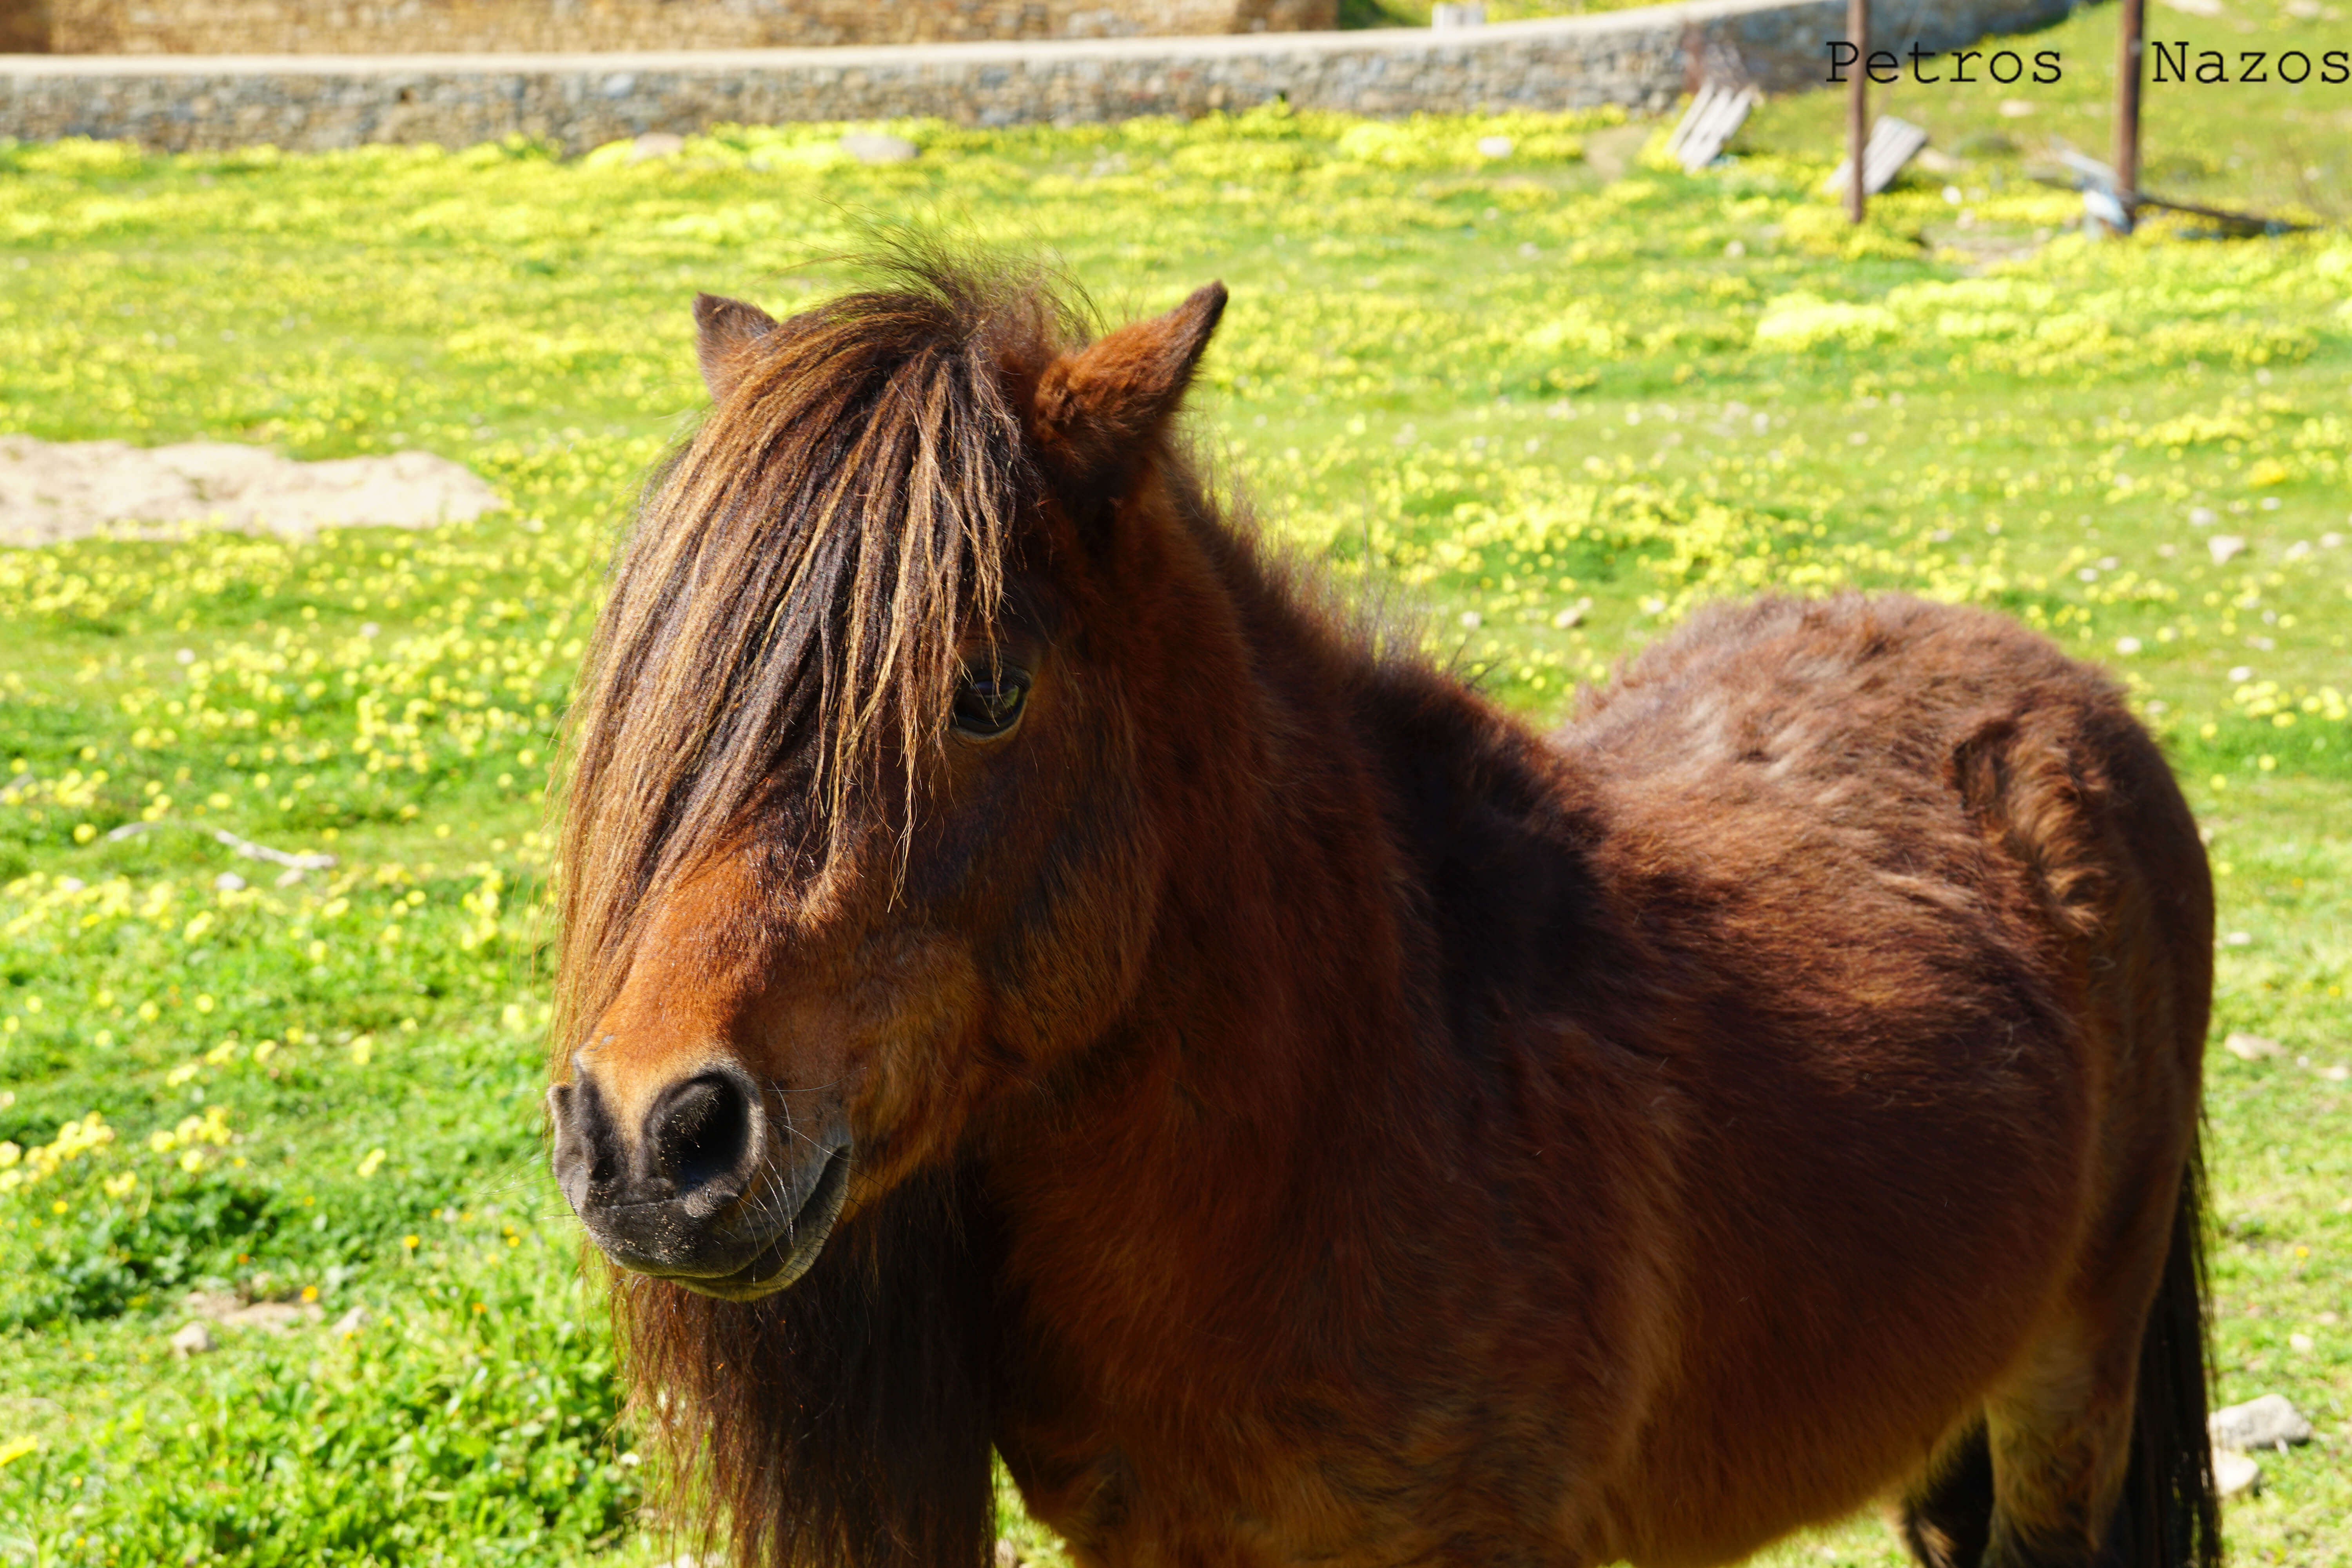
855, 843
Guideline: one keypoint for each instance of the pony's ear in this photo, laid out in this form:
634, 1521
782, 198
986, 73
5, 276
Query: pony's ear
726, 335
1095, 406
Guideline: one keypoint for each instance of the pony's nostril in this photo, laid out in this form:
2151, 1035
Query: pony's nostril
700, 1133
586, 1146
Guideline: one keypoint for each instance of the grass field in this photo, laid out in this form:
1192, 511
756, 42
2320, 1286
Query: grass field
1555, 407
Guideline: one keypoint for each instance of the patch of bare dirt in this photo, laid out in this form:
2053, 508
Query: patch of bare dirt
52, 491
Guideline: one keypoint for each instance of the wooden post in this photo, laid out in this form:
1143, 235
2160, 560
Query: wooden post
1857, 105
2130, 33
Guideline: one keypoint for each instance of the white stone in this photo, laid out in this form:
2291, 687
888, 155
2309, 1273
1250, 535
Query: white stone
2251, 1047
655, 145
228, 883
878, 147
355, 1319
2226, 547
2270, 1422
276, 1317
193, 1339
2234, 1474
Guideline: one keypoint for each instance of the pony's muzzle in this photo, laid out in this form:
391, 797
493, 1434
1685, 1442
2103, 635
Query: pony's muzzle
697, 1192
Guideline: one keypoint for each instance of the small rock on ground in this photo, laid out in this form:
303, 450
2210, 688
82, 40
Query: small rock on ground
878, 147
2234, 1474
193, 1339
1008, 1555
355, 1319
234, 1312
2251, 1047
276, 1316
2270, 1422
655, 145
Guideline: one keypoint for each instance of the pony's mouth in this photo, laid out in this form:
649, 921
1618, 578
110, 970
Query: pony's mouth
789, 1255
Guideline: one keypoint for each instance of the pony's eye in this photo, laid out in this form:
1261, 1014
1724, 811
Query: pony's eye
989, 704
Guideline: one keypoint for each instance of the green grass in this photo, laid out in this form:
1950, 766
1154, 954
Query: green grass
1503, 387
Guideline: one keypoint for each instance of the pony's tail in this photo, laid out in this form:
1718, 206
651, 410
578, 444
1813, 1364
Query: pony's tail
2171, 1516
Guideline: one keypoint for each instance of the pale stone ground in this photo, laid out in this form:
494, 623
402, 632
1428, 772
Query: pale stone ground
54, 491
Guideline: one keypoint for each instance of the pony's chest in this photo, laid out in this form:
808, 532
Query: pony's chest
1247, 1497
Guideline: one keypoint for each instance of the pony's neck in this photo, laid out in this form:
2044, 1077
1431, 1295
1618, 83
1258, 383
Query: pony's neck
1263, 1141
1292, 956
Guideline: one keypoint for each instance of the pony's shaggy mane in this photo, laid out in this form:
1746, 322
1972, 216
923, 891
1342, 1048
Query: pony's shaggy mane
782, 630
783, 618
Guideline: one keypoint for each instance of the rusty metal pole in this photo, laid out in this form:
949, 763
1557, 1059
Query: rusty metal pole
2128, 48
1857, 105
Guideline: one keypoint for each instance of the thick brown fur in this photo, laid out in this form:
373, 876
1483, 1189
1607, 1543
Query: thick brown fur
1301, 1113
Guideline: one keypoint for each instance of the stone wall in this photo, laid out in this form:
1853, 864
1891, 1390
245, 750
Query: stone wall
1642, 59
472, 26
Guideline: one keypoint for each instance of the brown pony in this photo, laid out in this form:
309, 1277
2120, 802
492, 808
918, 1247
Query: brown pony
1042, 978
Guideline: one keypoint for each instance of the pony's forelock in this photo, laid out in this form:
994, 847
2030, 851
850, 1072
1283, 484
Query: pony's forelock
785, 614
